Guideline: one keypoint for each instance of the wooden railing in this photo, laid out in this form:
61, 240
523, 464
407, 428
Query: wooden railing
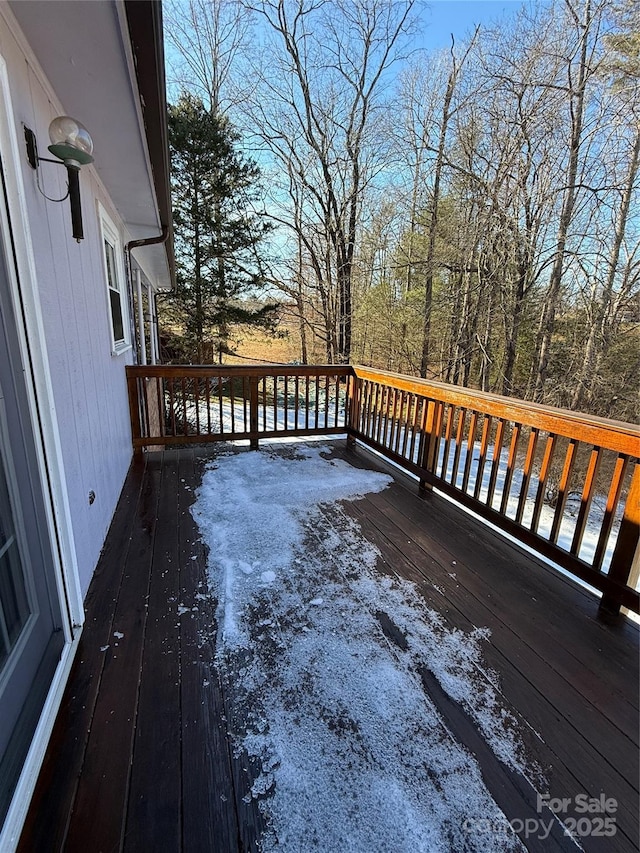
565, 484
180, 404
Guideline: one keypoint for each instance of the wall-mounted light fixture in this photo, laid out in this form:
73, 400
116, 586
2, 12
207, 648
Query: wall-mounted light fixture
72, 144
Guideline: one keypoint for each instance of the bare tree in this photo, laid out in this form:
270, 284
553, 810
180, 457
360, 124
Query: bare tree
321, 82
581, 66
208, 41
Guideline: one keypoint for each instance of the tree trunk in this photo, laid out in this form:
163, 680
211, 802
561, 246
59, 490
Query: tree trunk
550, 307
599, 339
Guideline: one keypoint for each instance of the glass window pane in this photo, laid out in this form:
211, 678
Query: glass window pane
110, 256
116, 315
14, 604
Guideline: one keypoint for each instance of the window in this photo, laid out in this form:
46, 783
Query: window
114, 273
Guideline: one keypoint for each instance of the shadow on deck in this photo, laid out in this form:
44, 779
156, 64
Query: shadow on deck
141, 758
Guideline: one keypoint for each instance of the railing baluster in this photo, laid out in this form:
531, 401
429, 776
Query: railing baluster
471, 442
376, 409
326, 402
232, 399
412, 426
381, 403
511, 464
285, 379
613, 499
495, 460
407, 401
542, 481
398, 400
588, 490
451, 412
527, 472
207, 380
172, 407
185, 419
388, 422
253, 411
306, 402
462, 417
196, 383
263, 397
484, 443
162, 404
220, 406
369, 409
563, 489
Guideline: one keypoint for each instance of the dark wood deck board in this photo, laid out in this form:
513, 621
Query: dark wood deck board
63, 762
539, 656
159, 772
154, 812
563, 748
210, 819
100, 805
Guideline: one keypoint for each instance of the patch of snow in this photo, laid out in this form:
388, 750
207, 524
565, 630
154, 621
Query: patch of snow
354, 755
118, 634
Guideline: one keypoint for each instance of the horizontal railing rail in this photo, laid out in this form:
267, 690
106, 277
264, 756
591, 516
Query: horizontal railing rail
565, 484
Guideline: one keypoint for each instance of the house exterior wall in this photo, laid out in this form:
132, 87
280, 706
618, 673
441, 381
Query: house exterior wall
88, 381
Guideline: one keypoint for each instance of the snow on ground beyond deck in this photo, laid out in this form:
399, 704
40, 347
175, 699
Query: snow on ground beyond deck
354, 755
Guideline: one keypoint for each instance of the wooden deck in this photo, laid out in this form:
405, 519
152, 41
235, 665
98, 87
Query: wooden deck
140, 759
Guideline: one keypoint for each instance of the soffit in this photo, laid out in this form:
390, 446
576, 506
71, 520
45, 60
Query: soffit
84, 50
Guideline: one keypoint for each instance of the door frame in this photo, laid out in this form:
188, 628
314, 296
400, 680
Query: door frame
14, 223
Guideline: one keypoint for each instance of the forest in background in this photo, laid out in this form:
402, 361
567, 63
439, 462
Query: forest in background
469, 215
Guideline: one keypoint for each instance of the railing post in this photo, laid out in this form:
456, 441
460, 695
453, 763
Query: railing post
253, 411
354, 386
625, 561
134, 414
428, 440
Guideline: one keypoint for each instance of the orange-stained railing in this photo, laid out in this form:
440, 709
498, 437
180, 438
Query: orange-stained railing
565, 484
179, 404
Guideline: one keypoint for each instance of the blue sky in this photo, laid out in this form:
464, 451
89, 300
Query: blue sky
459, 17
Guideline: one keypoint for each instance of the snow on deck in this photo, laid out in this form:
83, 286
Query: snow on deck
353, 753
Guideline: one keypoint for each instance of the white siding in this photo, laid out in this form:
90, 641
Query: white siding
88, 381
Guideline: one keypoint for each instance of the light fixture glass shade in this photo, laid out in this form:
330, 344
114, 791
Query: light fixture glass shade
70, 140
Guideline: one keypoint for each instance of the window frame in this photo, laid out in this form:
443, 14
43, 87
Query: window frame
109, 236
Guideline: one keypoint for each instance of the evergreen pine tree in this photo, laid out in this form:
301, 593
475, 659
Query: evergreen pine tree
218, 237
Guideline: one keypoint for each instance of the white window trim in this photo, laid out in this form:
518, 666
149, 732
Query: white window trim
109, 234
